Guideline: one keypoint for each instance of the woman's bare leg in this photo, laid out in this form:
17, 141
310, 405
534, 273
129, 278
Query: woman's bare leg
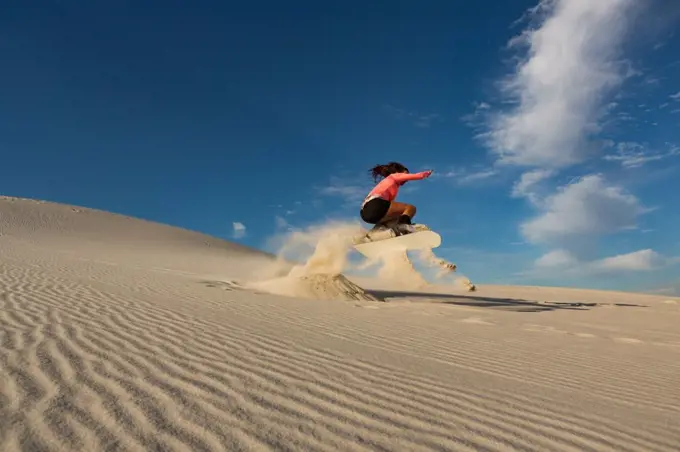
397, 209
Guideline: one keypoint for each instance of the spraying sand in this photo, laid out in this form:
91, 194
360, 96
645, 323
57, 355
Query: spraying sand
319, 277
321, 273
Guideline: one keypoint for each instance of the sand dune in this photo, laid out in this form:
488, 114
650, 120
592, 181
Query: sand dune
123, 334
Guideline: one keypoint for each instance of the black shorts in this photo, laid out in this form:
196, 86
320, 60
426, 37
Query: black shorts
374, 210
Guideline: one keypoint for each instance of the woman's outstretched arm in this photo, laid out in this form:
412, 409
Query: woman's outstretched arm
402, 177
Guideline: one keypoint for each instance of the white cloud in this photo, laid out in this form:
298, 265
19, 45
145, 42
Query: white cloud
637, 261
479, 116
571, 65
417, 119
586, 207
282, 223
524, 187
425, 121
239, 230
651, 80
464, 176
633, 155
564, 262
556, 258
675, 96
562, 93
477, 176
348, 190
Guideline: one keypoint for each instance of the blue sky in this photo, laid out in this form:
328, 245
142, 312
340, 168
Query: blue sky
552, 127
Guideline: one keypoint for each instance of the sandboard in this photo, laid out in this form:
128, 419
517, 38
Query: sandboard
414, 241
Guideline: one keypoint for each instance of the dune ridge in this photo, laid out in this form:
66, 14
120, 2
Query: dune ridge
156, 343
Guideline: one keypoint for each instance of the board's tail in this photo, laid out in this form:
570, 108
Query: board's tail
445, 268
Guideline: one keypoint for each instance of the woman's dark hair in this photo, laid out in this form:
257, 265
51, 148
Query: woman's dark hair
385, 170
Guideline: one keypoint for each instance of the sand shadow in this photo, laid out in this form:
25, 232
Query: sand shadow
507, 304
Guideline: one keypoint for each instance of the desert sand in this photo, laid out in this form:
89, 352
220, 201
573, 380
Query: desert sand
123, 334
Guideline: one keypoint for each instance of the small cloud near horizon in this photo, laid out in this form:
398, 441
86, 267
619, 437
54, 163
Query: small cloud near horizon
642, 260
239, 230
575, 212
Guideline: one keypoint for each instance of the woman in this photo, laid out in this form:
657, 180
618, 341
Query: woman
380, 207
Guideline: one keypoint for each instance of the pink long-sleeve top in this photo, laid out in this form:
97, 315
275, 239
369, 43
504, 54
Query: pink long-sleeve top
389, 186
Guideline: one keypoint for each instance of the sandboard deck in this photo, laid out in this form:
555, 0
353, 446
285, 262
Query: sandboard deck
416, 240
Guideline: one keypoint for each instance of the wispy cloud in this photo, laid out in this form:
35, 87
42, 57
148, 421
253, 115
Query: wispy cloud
415, 118
636, 261
466, 176
238, 230
634, 155
571, 64
675, 96
479, 116
426, 121
282, 223
556, 259
651, 80
477, 176
561, 94
641, 260
349, 191
525, 186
